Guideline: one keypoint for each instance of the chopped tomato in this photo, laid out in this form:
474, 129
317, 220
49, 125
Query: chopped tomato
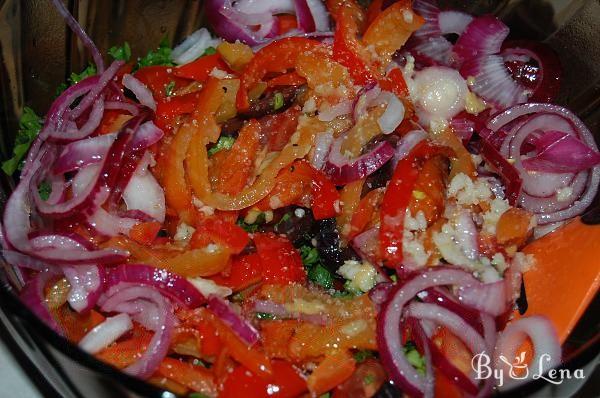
245, 271
394, 82
145, 232
331, 372
157, 78
325, 197
395, 201
112, 121
200, 69
217, 230
243, 383
279, 56
280, 127
281, 262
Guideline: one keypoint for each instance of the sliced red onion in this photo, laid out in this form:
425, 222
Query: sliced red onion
364, 98
146, 135
407, 143
320, 15
423, 342
442, 297
560, 152
265, 6
342, 170
144, 193
129, 107
543, 230
32, 295
87, 282
366, 244
389, 333
24, 261
306, 23
463, 128
279, 310
158, 347
546, 347
109, 224
393, 115
380, 293
487, 297
322, 145
80, 33
227, 28
242, 328
430, 50
510, 176
483, 36
193, 46
493, 82
141, 92
83, 152
451, 21
106, 333
172, 285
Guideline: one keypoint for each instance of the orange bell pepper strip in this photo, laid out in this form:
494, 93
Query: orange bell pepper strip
178, 193
460, 160
233, 169
199, 262
291, 186
124, 353
167, 384
286, 22
350, 199
395, 202
332, 371
513, 227
364, 212
566, 276
193, 377
429, 190
251, 357
245, 271
392, 28
145, 232
220, 231
168, 109
200, 69
279, 56
374, 10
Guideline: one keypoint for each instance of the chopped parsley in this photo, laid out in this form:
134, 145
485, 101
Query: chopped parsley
209, 51
283, 219
413, 357
75, 78
278, 101
317, 272
264, 316
363, 355
225, 143
197, 395
170, 88
326, 395
251, 228
199, 362
45, 190
122, 53
369, 379
29, 127
160, 56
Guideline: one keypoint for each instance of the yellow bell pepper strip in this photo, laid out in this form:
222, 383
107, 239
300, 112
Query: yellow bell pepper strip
349, 199
178, 193
392, 28
279, 56
195, 378
460, 161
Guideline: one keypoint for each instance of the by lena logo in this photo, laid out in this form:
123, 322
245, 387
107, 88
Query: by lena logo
506, 370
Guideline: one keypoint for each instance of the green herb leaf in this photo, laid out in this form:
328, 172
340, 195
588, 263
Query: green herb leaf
170, 88
197, 395
209, 51
278, 101
321, 276
199, 362
369, 379
251, 228
29, 127
326, 395
413, 357
77, 77
363, 355
264, 316
160, 56
45, 189
225, 142
122, 53
283, 219
310, 255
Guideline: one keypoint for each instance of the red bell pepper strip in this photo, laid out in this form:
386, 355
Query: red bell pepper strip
396, 200
279, 56
145, 233
287, 79
281, 263
324, 197
200, 69
169, 108
245, 271
242, 383
215, 230
394, 82
157, 78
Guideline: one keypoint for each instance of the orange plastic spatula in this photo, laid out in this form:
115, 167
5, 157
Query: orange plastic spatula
566, 276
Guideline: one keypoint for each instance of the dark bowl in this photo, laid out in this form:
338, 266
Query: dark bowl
39, 52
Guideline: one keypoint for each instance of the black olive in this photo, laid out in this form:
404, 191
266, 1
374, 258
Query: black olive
378, 179
232, 127
388, 390
297, 229
522, 300
328, 244
266, 105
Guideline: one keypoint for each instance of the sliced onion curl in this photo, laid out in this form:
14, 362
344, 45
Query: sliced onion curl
235, 321
193, 46
87, 283
322, 145
142, 93
106, 333
144, 193
151, 309
393, 114
546, 347
407, 143
342, 170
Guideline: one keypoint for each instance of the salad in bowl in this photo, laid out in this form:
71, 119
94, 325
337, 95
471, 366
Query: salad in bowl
312, 198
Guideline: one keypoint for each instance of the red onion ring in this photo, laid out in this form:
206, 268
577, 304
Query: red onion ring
242, 328
141, 92
87, 284
84, 152
105, 333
